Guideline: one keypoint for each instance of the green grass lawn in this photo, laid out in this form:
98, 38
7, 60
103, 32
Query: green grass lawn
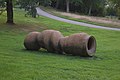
16, 63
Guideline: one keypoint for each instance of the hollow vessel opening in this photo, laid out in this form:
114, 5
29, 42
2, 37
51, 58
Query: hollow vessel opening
91, 43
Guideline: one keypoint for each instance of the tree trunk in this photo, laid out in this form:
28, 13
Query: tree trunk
57, 4
9, 8
118, 17
90, 9
67, 6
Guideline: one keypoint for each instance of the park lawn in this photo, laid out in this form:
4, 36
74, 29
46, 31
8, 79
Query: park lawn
16, 63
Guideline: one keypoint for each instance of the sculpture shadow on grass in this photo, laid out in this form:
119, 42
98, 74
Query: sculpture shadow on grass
68, 56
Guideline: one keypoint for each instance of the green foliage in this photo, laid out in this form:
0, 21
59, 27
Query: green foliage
94, 7
91, 7
117, 6
2, 6
88, 7
2, 3
76, 2
45, 2
29, 6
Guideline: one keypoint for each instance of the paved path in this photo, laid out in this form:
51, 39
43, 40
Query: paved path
43, 13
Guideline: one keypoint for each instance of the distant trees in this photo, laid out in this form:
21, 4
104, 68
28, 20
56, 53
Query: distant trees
117, 6
57, 3
74, 2
29, 6
2, 6
86, 7
93, 5
44, 2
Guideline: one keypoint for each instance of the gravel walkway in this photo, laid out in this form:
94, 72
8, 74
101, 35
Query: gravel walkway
43, 13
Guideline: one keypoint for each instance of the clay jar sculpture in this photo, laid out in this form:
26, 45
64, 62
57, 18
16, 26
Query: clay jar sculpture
80, 44
49, 39
31, 42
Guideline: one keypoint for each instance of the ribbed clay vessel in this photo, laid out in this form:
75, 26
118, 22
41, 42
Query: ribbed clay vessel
80, 44
30, 41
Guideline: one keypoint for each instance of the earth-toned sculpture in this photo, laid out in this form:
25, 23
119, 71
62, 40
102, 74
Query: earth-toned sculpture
79, 44
30, 41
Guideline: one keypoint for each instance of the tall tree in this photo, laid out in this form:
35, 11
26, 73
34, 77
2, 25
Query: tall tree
57, 4
92, 3
76, 2
67, 5
9, 7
